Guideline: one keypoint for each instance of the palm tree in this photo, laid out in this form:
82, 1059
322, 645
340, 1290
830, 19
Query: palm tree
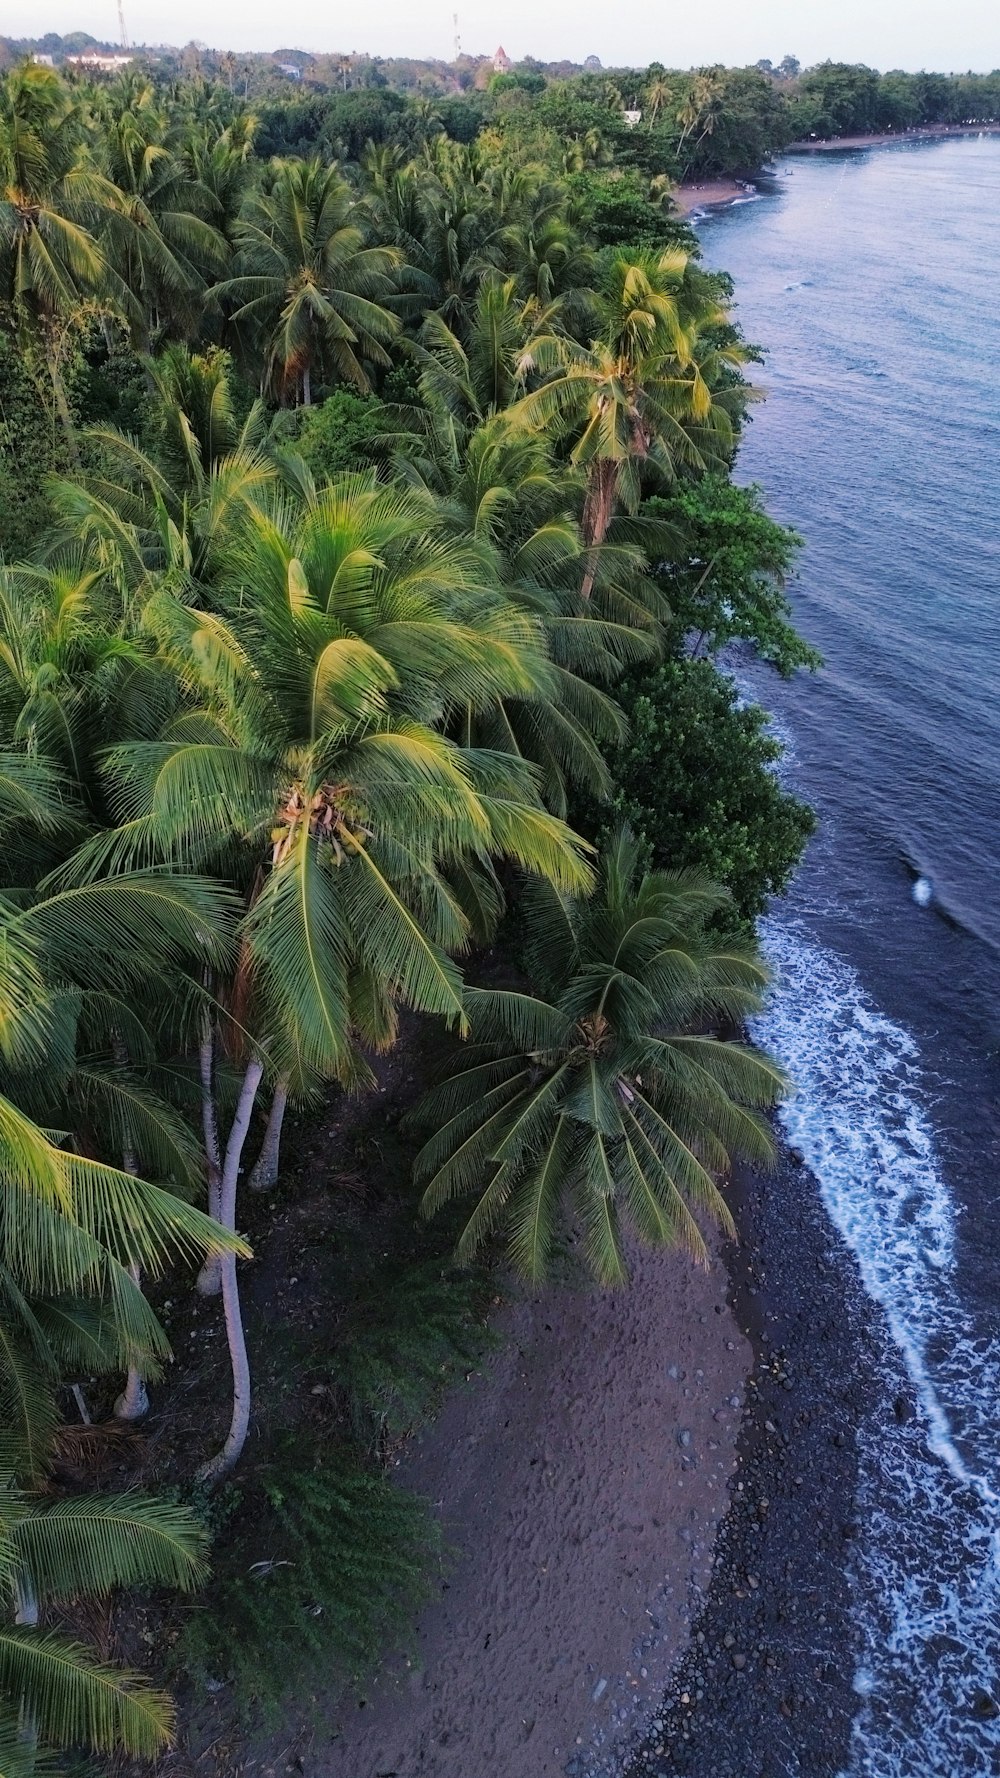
53, 203
161, 235
55, 1693
700, 109
550, 261
309, 768
167, 507
659, 92
93, 990
500, 487
445, 218
307, 285
650, 395
606, 1095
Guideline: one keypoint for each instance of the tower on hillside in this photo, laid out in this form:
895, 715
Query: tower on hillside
501, 61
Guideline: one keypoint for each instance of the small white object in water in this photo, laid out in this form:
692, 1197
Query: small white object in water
923, 891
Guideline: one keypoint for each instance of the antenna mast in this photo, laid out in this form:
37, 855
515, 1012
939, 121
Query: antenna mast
123, 34
458, 40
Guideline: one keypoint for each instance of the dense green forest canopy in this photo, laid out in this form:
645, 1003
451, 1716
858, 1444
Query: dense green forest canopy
693, 123
367, 527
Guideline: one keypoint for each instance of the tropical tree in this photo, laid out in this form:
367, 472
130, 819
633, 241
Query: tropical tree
699, 111
53, 203
608, 1098
501, 487
167, 507
659, 92
306, 286
309, 768
653, 393
160, 235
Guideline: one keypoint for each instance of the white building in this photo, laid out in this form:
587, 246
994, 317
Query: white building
94, 61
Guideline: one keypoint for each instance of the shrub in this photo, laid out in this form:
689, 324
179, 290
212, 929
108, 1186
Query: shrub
413, 1328
326, 1570
696, 782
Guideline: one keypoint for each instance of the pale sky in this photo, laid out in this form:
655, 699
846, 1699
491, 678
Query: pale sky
938, 34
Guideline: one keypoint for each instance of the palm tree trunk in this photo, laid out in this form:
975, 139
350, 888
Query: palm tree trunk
264, 1173
598, 511
133, 1402
210, 1276
307, 387
224, 1460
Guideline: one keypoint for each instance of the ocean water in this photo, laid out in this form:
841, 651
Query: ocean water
871, 280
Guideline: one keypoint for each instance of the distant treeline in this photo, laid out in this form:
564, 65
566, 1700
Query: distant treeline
694, 124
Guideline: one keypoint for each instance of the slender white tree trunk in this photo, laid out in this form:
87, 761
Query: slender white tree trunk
264, 1172
220, 1465
26, 1603
133, 1402
210, 1276
307, 387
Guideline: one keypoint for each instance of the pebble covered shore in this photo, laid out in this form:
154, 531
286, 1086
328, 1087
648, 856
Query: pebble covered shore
765, 1687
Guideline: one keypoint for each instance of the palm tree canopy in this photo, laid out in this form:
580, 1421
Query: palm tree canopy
649, 390
312, 742
307, 283
608, 1095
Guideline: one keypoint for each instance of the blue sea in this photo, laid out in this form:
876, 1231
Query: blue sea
871, 278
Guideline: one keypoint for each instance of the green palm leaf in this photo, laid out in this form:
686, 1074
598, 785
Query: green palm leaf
75, 1700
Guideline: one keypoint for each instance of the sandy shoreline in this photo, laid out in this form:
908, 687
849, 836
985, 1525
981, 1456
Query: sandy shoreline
651, 1542
711, 194
580, 1480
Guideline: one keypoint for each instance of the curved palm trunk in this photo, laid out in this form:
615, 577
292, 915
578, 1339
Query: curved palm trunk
598, 512
264, 1173
210, 1276
220, 1465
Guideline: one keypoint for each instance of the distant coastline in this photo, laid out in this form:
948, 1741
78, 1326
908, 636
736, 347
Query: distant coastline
928, 132
717, 194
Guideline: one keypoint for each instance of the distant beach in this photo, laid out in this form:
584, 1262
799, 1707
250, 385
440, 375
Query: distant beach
710, 194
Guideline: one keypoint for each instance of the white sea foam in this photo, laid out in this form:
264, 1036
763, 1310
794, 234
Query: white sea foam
927, 1576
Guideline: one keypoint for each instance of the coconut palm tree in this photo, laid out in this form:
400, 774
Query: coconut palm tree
699, 111
607, 1097
501, 488
51, 197
309, 768
54, 202
166, 507
659, 92
55, 1693
305, 283
652, 394
161, 235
